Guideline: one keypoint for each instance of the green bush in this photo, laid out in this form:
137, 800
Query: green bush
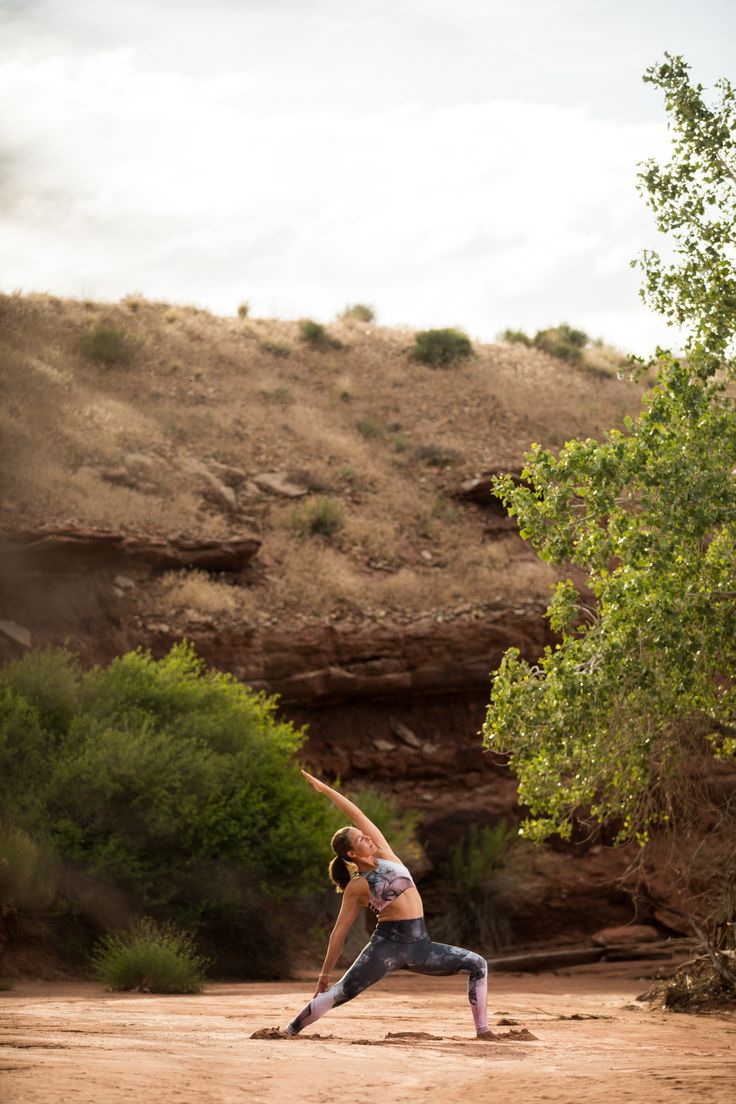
243, 309
516, 337
162, 782
562, 341
275, 349
358, 312
315, 334
154, 958
440, 348
318, 517
107, 344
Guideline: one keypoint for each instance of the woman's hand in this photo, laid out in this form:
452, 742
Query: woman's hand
323, 984
320, 787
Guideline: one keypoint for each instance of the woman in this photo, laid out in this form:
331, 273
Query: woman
368, 873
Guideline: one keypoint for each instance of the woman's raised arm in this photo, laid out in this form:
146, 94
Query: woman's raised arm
351, 810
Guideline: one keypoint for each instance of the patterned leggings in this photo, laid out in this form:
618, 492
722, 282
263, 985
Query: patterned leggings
396, 944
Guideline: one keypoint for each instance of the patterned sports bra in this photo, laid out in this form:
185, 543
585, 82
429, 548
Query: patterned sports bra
387, 881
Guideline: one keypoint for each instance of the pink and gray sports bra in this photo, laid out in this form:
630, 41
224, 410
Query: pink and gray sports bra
387, 881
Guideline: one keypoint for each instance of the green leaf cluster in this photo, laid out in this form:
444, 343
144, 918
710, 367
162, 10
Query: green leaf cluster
619, 720
163, 781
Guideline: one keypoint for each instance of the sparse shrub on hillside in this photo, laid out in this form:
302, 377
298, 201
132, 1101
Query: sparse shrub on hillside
282, 396
358, 312
516, 337
133, 302
243, 309
318, 517
370, 428
107, 344
437, 456
316, 335
154, 958
348, 473
440, 348
400, 442
562, 341
276, 349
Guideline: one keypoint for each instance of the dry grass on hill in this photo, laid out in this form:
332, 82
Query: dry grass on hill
355, 419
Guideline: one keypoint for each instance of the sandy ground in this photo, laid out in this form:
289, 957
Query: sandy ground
73, 1042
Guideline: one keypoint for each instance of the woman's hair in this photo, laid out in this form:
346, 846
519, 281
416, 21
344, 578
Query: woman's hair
339, 868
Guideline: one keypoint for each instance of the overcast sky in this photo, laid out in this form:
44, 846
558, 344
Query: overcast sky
452, 162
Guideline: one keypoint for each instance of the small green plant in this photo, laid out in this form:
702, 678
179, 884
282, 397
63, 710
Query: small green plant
107, 344
400, 442
275, 349
562, 341
358, 312
348, 473
243, 309
440, 348
155, 958
318, 517
516, 337
282, 396
437, 456
314, 333
370, 428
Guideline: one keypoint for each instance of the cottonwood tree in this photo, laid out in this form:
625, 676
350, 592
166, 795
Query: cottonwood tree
631, 718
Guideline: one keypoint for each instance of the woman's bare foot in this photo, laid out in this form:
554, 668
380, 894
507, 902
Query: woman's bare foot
488, 1036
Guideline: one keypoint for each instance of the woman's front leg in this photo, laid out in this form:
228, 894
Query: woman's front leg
372, 964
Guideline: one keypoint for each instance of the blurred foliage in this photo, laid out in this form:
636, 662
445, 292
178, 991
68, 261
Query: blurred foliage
167, 783
624, 719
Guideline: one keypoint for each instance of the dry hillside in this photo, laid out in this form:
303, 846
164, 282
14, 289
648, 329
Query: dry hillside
373, 446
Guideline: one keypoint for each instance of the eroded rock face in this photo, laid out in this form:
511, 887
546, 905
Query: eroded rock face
327, 663
83, 550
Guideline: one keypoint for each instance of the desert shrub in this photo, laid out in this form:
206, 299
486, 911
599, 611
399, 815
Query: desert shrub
107, 344
281, 396
348, 473
155, 958
478, 904
440, 348
358, 312
314, 333
318, 517
437, 456
562, 341
243, 309
370, 428
276, 349
516, 337
169, 785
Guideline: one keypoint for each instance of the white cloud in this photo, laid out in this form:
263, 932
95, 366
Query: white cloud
194, 183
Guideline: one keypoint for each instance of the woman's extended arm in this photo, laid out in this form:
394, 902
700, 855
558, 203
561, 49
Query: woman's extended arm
348, 911
359, 819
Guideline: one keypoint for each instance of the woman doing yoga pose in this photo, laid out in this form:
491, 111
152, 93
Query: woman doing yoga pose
368, 873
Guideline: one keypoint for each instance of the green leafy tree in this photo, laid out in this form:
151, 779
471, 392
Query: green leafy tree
630, 717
